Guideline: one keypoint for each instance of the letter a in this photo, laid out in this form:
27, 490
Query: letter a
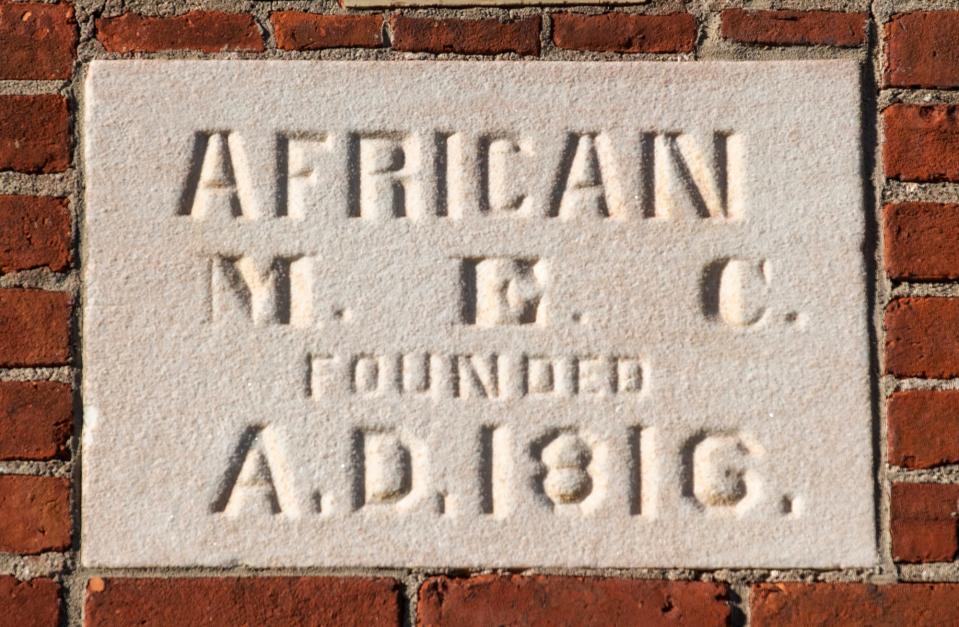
218, 184
256, 478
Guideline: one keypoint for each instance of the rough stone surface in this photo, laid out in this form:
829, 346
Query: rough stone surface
450, 330
923, 428
34, 232
922, 49
921, 143
39, 41
423, 34
33, 603
34, 134
308, 31
621, 32
117, 602
207, 31
36, 418
34, 328
795, 28
920, 241
513, 600
34, 514
854, 605
923, 522
921, 339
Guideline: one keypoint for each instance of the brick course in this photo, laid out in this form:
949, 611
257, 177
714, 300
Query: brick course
920, 337
34, 514
920, 241
921, 143
795, 28
625, 32
34, 232
36, 419
206, 31
515, 600
923, 521
39, 41
308, 31
34, 134
923, 50
421, 34
923, 428
34, 327
242, 601
32, 603
854, 604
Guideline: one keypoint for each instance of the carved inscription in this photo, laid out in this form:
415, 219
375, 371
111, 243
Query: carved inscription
393, 174
489, 376
390, 473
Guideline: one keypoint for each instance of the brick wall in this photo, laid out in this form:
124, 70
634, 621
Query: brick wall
910, 55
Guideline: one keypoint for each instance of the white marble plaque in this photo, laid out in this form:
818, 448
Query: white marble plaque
475, 314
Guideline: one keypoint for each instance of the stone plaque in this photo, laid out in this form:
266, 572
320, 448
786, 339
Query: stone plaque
475, 314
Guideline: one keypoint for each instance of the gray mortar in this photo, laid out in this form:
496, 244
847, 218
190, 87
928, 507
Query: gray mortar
64, 567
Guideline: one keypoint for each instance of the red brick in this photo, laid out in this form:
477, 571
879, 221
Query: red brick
39, 41
34, 232
33, 603
34, 327
625, 32
921, 241
921, 338
36, 418
309, 31
515, 600
854, 605
34, 134
795, 28
421, 34
242, 601
922, 142
923, 521
34, 514
923, 49
206, 31
923, 428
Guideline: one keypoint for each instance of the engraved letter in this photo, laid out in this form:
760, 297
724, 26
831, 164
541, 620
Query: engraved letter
720, 474
386, 474
280, 293
691, 179
500, 195
735, 290
503, 291
588, 185
366, 375
218, 182
257, 477
298, 156
385, 177
478, 376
